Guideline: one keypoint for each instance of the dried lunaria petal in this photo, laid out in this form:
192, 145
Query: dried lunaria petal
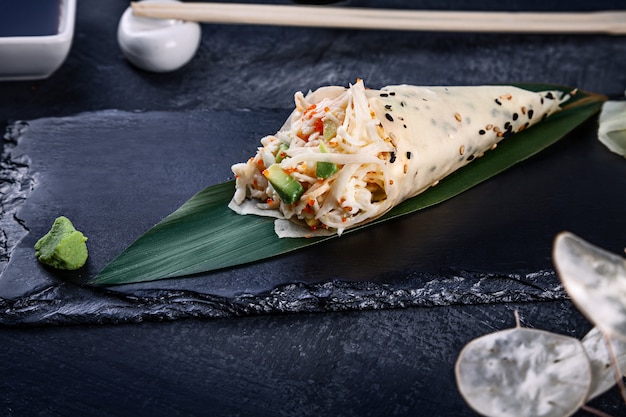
595, 280
524, 372
603, 372
612, 130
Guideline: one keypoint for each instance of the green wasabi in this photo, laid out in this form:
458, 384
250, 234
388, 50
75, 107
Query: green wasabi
63, 247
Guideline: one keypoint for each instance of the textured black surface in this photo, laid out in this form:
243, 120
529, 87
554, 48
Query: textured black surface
103, 143
395, 362
137, 174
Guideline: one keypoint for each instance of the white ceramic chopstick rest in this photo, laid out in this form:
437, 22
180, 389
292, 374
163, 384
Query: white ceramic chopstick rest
157, 45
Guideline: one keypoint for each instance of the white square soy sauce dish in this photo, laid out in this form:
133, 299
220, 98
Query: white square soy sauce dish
35, 37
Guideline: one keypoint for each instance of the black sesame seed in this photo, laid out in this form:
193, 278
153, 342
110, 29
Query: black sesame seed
469, 158
404, 126
408, 155
498, 102
388, 106
530, 114
392, 159
541, 100
550, 96
481, 132
384, 95
388, 116
507, 125
392, 93
402, 103
515, 116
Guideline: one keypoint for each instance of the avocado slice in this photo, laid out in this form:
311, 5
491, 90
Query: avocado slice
330, 130
288, 188
325, 169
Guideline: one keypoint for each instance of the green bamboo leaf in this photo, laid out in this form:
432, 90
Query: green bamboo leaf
205, 235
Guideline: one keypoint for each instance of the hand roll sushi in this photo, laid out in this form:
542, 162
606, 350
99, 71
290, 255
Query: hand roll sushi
347, 156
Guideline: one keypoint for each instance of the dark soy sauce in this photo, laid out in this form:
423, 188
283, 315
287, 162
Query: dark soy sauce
29, 17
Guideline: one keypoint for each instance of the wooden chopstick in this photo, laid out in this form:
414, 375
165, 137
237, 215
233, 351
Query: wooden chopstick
607, 22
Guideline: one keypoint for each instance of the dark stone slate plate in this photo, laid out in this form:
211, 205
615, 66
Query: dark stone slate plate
116, 173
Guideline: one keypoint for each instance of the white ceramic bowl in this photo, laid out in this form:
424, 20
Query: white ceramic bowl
37, 57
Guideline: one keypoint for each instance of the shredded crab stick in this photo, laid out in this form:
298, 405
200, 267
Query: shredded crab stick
348, 155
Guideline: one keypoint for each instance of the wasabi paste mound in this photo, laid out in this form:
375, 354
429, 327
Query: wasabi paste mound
63, 247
